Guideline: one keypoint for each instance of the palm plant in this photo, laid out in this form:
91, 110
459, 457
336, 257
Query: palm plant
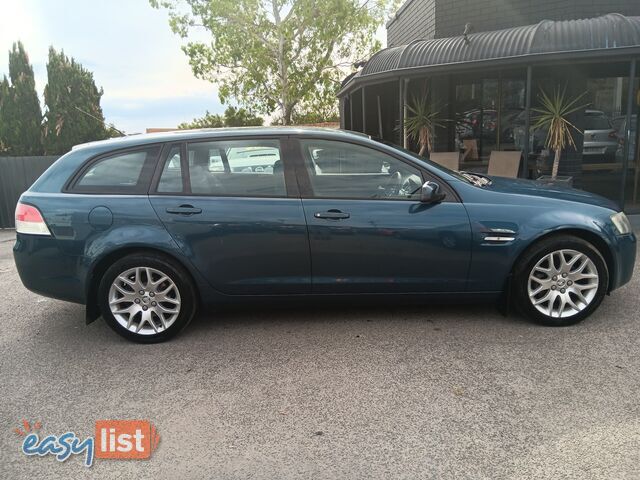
552, 116
422, 122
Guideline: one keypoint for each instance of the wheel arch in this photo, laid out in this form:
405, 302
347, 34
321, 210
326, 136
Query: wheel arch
590, 236
100, 267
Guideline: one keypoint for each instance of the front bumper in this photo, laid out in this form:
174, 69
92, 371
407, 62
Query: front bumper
624, 259
46, 269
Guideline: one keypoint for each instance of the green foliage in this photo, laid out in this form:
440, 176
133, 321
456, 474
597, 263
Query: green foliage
5, 106
422, 121
239, 117
73, 113
20, 114
209, 120
323, 109
288, 55
310, 117
552, 116
233, 117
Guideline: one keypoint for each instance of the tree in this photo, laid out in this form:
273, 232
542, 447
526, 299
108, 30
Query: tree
4, 107
209, 120
310, 117
288, 55
552, 116
233, 117
73, 113
422, 121
322, 107
239, 117
20, 113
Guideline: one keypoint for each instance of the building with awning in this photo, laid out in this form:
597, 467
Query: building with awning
486, 85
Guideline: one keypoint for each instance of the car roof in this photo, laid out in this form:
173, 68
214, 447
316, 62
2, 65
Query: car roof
205, 133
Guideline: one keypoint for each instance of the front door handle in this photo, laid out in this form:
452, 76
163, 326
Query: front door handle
184, 210
332, 214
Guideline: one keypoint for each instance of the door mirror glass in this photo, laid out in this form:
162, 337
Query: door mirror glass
430, 193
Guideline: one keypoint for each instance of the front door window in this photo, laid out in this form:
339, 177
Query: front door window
345, 170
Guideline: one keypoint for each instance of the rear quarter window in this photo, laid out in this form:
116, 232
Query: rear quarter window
122, 172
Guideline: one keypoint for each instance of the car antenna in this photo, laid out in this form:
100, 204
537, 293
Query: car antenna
111, 126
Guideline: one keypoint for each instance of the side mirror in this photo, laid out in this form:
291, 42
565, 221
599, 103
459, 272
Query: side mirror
430, 193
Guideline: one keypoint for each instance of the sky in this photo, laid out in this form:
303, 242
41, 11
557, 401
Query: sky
128, 46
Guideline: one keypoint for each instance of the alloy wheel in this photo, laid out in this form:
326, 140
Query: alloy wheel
144, 300
563, 283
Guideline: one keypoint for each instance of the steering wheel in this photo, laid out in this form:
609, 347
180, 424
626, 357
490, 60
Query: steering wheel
410, 185
393, 185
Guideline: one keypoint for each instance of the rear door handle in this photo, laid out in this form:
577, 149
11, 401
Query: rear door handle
332, 215
184, 210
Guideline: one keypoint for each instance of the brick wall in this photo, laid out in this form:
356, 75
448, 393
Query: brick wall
414, 20
418, 19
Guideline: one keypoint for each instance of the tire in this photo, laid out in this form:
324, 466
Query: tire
139, 317
570, 291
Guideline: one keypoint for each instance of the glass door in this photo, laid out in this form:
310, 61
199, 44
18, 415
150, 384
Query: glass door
489, 115
632, 179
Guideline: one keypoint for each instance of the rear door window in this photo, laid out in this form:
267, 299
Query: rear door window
251, 167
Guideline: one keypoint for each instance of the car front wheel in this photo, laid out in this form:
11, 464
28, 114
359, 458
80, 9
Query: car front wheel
146, 298
561, 281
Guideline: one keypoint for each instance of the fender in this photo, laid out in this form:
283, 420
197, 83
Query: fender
494, 253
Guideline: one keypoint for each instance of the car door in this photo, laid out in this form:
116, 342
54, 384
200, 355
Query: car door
233, 207
368, 231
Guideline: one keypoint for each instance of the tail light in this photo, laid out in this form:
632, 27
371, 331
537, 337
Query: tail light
29, 220
613, 134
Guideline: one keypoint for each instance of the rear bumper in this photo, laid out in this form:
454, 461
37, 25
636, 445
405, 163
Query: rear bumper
625, 259
46, 269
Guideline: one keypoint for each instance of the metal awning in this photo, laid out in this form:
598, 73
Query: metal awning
610, 35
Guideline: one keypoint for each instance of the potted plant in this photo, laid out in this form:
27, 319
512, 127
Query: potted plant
422, 122
553, 117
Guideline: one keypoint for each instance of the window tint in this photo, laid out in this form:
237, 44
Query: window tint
127, 172
344, 170
171, 178
236, 167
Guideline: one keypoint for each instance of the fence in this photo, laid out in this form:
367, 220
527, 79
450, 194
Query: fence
16, 175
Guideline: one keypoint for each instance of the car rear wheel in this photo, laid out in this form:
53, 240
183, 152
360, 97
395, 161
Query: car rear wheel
560, 281
146, 298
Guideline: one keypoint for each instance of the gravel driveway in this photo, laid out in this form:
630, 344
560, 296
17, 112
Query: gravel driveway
396, 392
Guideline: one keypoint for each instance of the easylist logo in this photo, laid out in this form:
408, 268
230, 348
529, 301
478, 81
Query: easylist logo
114, 439
125, 439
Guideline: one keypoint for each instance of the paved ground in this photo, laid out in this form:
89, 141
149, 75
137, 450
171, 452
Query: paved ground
407, 392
